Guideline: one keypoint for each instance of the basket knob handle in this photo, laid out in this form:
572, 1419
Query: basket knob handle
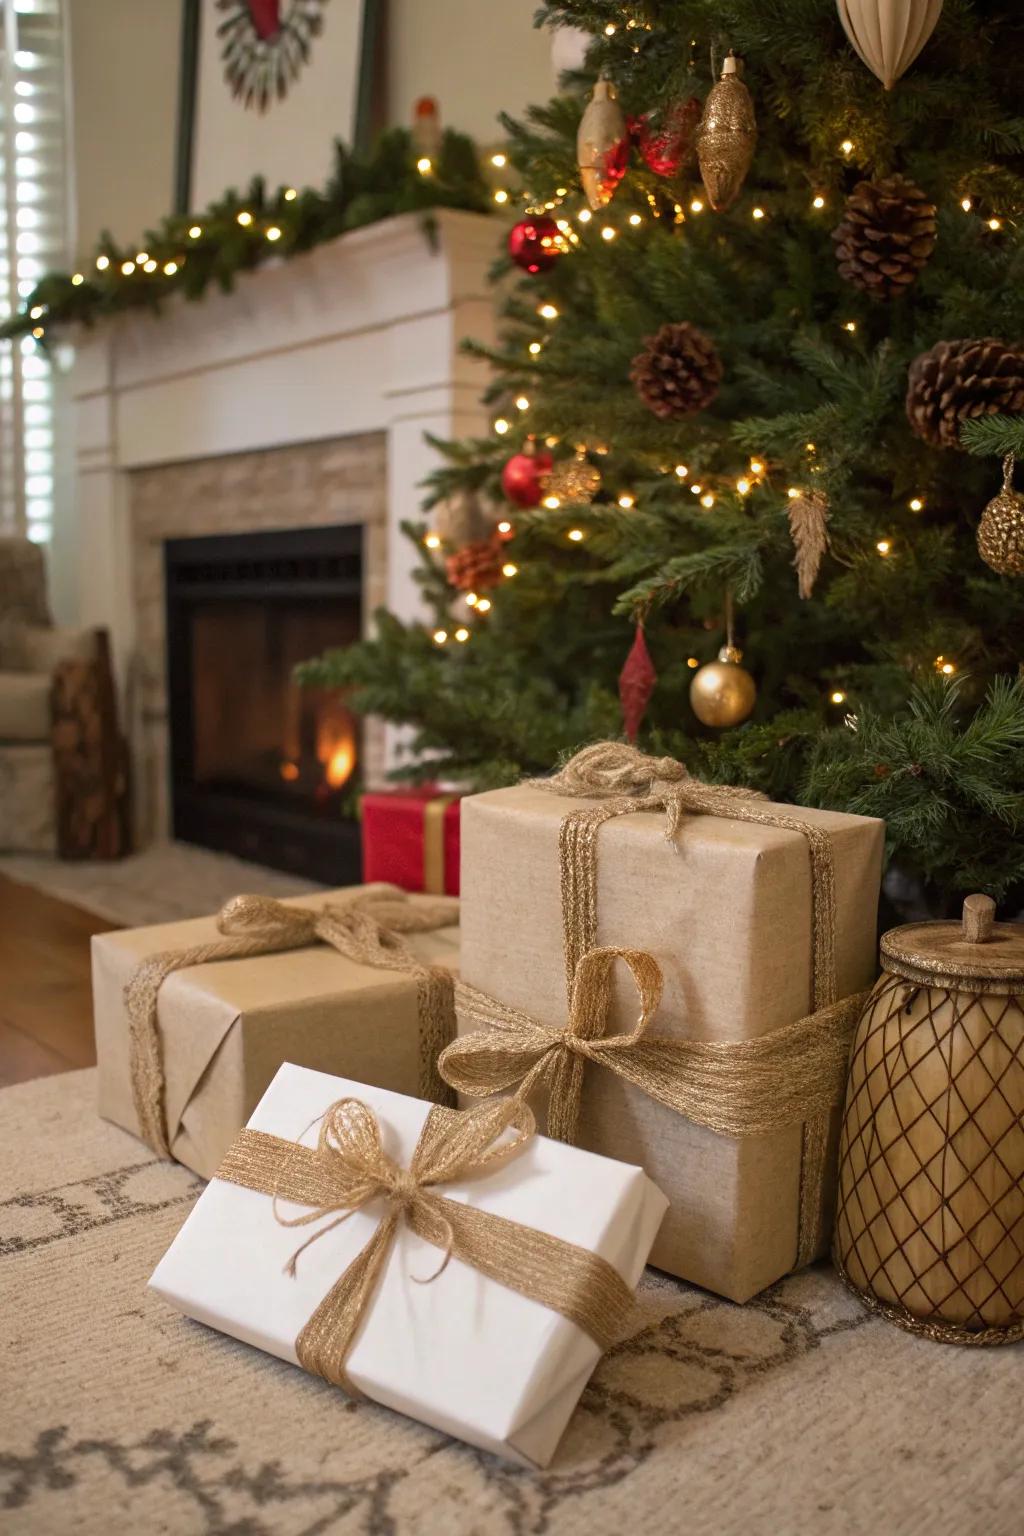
979, 915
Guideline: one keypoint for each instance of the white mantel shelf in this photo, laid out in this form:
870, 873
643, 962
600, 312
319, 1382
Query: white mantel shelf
359, 335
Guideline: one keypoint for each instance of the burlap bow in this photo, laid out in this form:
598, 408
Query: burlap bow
736, 1087
348, 1169
366, 927
795, 1075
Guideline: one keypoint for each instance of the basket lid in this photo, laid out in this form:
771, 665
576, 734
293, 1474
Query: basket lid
976, 953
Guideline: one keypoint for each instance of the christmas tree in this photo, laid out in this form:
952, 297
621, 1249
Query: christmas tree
728, 404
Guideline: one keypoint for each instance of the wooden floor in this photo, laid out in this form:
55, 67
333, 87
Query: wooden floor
45, 996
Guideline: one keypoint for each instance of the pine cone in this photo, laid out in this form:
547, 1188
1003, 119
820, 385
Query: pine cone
476, 566
886, 236
679, 373
957, 380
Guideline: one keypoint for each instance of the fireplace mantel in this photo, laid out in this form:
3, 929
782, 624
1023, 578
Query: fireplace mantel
360, 335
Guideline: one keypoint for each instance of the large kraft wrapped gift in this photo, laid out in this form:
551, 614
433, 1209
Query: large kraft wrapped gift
194, 1018
761, 920
455, 1267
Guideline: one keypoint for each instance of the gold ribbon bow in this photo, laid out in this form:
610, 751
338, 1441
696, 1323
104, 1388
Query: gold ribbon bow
348, 1169
366, 927
736, 1087
795, 1075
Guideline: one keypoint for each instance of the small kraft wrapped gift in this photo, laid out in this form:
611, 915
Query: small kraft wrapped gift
716, 1056
411, 838
194, 1018
453, 1266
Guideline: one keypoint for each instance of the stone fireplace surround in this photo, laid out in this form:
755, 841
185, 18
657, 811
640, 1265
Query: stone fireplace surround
300, 399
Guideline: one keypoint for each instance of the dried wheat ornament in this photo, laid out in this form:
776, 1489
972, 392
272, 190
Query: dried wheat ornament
1001, 530
808, 526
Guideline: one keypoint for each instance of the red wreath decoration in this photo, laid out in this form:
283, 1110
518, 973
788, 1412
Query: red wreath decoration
265, 44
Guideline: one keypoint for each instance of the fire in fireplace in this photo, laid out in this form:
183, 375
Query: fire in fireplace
261, 767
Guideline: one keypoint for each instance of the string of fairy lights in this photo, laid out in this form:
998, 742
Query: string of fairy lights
707, 488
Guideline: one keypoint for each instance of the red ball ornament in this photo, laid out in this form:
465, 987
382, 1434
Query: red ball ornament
668, 145
524, 477
534, 243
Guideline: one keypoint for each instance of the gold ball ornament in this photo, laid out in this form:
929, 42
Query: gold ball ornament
726, 137
1001, 530
722, 692
574, 481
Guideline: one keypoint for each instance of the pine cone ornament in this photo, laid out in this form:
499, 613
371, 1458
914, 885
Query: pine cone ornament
957, 380
679, 373
476, 566
886, 236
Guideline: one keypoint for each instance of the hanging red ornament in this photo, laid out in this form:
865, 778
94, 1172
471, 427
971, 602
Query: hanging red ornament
636, 684
524, 477
535, 243
668, 145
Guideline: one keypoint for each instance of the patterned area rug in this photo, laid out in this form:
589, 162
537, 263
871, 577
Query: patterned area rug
796, 1414
159, 885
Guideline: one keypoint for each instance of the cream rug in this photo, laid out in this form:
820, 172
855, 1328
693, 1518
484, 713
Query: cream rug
796, 1414
159, 885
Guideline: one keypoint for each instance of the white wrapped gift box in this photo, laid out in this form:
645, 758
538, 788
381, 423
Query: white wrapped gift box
463, 1354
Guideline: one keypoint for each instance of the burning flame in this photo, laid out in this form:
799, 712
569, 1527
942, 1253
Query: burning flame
336, 747
340, 765
289, 772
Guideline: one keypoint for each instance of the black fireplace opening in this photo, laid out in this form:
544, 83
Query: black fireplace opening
259, 766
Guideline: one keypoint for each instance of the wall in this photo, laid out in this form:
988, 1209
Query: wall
124, 82
477, 57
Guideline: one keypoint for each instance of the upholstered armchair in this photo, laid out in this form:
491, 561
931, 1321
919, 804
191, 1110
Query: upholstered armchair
63, 763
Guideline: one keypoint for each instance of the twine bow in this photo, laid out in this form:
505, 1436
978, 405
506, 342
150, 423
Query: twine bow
795, 1075
349, 1169
366, 927
736, 1087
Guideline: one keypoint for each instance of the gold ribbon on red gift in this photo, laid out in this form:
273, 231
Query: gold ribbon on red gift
348, 1169
434, 862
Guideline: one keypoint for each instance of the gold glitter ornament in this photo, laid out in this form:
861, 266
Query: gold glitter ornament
1001, 530
722, 692
726, 137
574, 481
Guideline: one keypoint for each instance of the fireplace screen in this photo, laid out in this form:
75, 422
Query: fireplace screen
260, 766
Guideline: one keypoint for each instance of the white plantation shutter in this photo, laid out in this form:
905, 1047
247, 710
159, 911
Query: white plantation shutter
33, 239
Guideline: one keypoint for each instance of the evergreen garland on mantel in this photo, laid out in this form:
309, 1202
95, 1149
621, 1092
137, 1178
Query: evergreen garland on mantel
189, 252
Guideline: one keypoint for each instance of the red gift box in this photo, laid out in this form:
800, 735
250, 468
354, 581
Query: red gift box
411, 839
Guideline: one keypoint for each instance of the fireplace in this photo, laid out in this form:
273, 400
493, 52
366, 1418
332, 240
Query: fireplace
259, 766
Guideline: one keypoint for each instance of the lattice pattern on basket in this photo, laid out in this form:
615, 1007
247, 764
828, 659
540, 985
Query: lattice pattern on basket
931, 1195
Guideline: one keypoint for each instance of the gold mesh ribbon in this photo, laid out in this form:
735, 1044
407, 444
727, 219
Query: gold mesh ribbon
795, 1075
349, 1168
366, 927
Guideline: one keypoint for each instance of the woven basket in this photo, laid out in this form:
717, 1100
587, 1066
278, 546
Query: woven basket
930, 1223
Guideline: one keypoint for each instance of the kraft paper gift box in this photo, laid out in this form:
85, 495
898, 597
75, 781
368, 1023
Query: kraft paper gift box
726, 912
225, 1027
462, 1353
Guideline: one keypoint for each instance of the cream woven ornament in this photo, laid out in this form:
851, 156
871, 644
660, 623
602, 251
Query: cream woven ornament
888, 35
726, 137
